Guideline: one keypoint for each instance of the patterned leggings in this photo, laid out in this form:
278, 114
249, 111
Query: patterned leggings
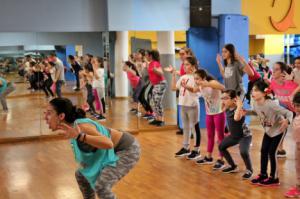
110, 175
157, 96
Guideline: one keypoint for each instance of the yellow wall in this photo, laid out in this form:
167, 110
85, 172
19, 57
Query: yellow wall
256, 46
274, 44
259, 12
180, 36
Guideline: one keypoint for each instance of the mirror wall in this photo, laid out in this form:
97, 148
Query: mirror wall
26, 65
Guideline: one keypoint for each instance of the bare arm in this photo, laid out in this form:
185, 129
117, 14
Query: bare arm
174, 81
214, 84
158, 71
95, 138
221, 68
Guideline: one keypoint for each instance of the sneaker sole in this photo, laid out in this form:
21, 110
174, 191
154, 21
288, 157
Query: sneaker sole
204, 163
234, 171
195, 158
219, 168
289, 196
281, 156
183, 155
271, 185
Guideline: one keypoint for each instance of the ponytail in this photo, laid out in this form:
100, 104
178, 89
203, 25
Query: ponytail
64, 105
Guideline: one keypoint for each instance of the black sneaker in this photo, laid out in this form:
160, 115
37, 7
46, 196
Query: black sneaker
220, 164
100, 117
270, 182
154, 122
205, 160
247, 174
281, 153
133, 110
160, 123
182, 152
194, 155
259, 179
231, 169
179, 132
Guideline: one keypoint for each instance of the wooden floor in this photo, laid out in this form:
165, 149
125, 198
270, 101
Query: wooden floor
25, 117
46, 170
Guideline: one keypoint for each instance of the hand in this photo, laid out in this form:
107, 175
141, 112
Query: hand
219, 59
240, 58
68, 131
239, 102
284, 125
184, 83
169, 69
287, 76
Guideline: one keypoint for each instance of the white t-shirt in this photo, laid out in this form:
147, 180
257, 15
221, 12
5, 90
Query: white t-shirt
212, 98
99, 83
187, 98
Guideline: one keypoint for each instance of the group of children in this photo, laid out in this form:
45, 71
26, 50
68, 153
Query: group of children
146, 77
275, 100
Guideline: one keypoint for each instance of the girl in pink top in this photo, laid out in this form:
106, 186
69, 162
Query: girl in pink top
294, 191
284, 91
135, 82
157, 79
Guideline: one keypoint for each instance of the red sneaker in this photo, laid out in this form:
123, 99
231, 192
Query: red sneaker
293, 192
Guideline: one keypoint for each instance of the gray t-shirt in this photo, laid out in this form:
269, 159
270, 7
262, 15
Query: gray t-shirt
270, 115
59, 66
233, 76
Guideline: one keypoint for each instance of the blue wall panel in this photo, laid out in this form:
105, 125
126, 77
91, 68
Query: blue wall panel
204, 43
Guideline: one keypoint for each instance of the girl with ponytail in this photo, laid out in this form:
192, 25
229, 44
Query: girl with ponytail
105, 155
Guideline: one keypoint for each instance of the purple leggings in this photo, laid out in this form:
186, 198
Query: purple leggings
214, 123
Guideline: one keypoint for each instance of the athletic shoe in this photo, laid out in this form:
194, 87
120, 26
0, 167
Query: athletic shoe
220, 164
154, 122
205, 160
182, 152
147, 115
247, 175
281, 153
231, 169
179, 132
151, 118
293, 192
139, 114
133, 110
194, 155
100, 117
259, 179
160, 123
270, 182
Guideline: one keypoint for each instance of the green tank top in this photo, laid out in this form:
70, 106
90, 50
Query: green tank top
3, 86
92, 163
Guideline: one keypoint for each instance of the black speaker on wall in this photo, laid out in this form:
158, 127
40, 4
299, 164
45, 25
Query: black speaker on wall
200, 13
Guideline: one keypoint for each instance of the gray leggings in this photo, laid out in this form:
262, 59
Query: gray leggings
110, 175
158, 93
244, 144
190, 117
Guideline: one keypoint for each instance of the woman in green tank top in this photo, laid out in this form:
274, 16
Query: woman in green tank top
105, 155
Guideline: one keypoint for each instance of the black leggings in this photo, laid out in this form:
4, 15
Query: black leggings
90, 97
144, 97
269, 149
244, 145
47, 87
198, 134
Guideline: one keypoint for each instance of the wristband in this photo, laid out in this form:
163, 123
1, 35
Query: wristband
84, 135
79, 136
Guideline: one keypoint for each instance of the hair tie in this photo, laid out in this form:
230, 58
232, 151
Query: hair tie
268, 90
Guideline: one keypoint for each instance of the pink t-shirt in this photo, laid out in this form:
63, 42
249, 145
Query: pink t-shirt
153, 77
256, 75
182, 71
283, 92
133, 79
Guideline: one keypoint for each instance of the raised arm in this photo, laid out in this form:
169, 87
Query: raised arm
221, 68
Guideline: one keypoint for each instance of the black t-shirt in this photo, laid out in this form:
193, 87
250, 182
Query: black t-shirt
238, 129
76, 67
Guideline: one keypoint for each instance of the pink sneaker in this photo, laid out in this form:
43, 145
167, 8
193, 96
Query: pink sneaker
293, 192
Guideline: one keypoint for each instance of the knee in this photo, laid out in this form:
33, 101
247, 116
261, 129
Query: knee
222, 147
